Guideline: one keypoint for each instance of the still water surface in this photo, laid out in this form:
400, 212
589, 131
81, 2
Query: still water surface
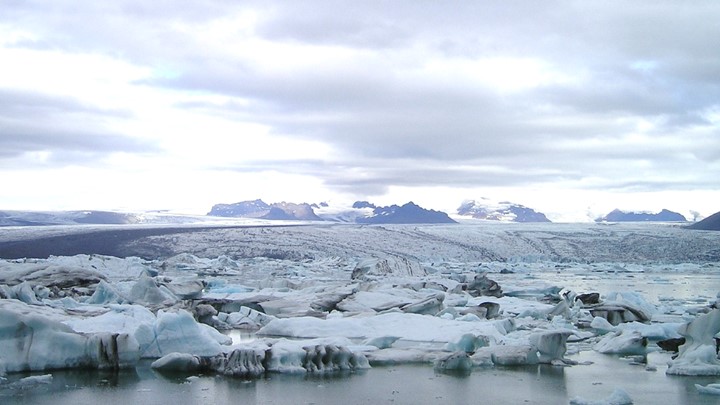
405, 384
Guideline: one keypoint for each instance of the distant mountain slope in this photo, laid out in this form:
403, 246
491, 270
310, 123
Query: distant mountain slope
409, 213
500, 211
617, 215
247, 209
42, 218
260, 209
711, 223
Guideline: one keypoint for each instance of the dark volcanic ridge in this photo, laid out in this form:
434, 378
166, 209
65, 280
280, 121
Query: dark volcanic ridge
711, 223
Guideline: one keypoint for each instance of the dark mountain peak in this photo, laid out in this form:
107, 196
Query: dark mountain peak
363, 204
409, 213
249, 209
618, 215
259, 209
711, 223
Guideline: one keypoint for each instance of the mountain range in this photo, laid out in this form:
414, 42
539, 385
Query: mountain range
617, 215
500, 211
362, 212
261, 210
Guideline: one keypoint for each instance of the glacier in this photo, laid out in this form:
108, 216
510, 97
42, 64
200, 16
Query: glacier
348, 308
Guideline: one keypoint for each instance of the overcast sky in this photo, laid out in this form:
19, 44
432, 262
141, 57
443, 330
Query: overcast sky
571, 108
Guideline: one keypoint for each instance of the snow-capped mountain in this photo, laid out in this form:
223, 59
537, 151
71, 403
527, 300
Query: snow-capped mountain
618, 215
361, 212
260, 209
409, 213
500, 211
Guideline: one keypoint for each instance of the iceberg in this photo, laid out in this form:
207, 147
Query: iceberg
622, 342
699, 355
710, 389
455, 362
618, 397
32, 342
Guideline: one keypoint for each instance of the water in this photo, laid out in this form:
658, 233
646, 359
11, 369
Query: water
407, 384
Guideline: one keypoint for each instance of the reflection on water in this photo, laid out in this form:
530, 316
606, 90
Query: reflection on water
410, 384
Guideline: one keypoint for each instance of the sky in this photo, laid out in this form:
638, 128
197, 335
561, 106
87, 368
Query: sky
572, 108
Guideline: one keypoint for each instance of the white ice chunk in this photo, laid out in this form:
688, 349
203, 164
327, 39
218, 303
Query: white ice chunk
551, 346
180, 362
455, 362
313, 357
698, 356
506, 355
381, 342
618, 397
406, 326
30, 342
622, 342
710, 389
371, 269
147, 292
468, 343
176, 332
106, 293
246, 318
32, 381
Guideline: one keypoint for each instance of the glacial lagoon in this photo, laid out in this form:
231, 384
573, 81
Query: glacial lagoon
675, 292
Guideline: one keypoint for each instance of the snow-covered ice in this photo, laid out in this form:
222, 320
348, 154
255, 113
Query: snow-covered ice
460, 305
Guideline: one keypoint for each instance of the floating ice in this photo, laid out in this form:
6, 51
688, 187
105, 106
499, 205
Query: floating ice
622, 342
406, 326
32, 342
178, 332
245, 318
106, 293
381, 342
468, 343
618, 397
710, 389
147, 292
287, 356
241, 362
698, 356
29, 382
371, 269
551, 346
455, 362
506, 355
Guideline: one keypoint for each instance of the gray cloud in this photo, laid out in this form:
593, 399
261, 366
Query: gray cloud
623, 62
32, 122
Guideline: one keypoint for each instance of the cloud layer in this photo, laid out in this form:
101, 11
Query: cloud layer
576, 95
